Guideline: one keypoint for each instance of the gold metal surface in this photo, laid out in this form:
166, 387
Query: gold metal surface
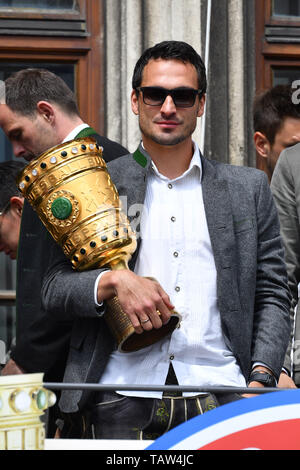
73, 194
23, 400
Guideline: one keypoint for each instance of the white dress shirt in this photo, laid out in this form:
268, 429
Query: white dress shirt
176, 250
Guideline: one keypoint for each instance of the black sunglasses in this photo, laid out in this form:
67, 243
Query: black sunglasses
182, 97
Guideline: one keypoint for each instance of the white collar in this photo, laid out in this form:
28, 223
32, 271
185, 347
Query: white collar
195, 162
74, 132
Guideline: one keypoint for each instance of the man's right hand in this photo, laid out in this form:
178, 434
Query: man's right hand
141, 298
12, 368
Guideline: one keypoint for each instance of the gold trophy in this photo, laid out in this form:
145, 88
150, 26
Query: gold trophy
72, 192
23, 400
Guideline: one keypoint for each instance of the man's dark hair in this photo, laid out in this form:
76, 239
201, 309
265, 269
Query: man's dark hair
8, 186
25, 88
271, 107
168, 50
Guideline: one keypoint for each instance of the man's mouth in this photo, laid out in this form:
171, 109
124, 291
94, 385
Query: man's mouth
168, 124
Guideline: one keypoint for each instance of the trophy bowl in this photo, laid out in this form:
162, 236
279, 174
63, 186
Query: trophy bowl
72, 192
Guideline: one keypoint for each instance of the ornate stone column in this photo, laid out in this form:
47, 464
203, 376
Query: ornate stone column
124, 45
236, 70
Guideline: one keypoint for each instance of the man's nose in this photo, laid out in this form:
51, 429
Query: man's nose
168, 107
18, 150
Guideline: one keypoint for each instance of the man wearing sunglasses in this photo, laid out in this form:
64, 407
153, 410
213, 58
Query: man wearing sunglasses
208, 233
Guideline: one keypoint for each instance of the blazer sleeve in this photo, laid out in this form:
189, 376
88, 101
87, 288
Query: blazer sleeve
271, 329
283, 189
68, 294
284, 192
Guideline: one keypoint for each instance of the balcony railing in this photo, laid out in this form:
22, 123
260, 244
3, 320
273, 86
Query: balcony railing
7, 298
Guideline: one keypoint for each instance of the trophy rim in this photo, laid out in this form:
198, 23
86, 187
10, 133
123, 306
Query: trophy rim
47, 153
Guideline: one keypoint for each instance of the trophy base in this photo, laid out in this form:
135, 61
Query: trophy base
134, 341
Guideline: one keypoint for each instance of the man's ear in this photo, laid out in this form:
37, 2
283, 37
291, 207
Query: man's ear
201, 106
135, 102
16, 205
45, 110
262, 144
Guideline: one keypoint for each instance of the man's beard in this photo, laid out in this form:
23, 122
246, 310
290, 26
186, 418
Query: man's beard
162, 141
29, 156
167, 139
34, 156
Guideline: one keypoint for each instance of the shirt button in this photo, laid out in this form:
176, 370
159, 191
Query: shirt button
175, 254
171, 357
173, 219
170, 186
177, 288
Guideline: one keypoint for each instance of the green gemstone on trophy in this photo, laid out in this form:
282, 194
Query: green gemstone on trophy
41, 400
61, 208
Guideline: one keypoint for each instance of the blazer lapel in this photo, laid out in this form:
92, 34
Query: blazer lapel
134, 201
136, 196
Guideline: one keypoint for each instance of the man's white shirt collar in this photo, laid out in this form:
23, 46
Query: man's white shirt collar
74, 132
195, 162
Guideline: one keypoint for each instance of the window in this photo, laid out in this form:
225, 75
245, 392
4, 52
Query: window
285, 76
286, 8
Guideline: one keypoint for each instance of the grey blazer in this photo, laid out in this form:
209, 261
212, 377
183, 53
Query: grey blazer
285, 186
253, 296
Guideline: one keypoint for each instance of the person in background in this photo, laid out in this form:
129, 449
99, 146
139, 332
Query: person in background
285, 186
209, 235
40, 112
276, 123
11, 206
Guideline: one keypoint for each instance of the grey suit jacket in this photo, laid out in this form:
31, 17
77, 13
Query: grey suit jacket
285, 186
253, 297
